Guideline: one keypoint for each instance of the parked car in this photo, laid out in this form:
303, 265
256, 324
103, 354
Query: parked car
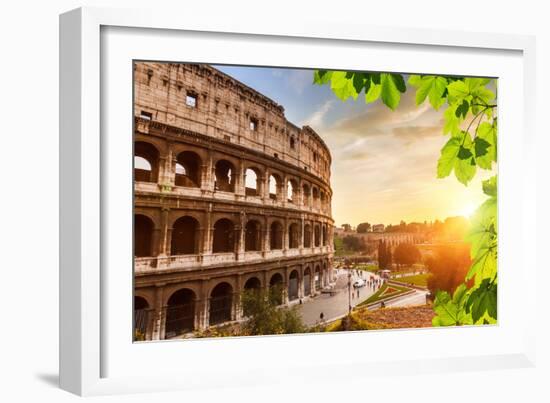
359, 283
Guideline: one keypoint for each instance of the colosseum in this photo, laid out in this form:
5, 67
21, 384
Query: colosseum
228, 196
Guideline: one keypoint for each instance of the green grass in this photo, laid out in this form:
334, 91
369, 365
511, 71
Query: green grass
366, 267
418, 279
378, 294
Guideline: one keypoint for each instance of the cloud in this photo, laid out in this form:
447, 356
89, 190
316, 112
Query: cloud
411, 134
317, 119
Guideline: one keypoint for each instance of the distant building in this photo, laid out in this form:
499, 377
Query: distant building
378, 228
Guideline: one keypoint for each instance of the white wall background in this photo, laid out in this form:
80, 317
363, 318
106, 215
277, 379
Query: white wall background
29, 276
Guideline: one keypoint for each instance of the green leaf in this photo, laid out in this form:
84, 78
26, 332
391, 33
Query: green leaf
449, 153
359, 80
462, 109
485, 265
342, 85
433, 87
452, 121
483, 301
373, 93
465, 164
399, 82
458, 92
483, 153
390, 93
321, 77
490, 186
488, 133
415, 80
452, 311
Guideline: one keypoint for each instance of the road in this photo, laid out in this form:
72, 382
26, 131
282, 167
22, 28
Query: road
336, 306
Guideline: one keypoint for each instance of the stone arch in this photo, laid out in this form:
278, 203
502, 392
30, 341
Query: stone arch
275, 185
252, 181
180, 313
224, 176
307, 236
252, 282
223, 239
188, 169
142, 311
185, 236
143, 236
276, 235
293, 285
315, 196
146, 162
307, 282
292, 191
221, 303
317, 235
276, 284
293, 235
325, 234
252, 237
306, 194
318, 277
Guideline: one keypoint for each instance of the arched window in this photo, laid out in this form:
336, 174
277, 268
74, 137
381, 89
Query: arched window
224, 236
188, 169
274, 186
252, 184
293, 285
146, 158
143, 236
307, 236
276, 235
291, 191
221, 301
293, 236
317, 235
225, 176
317, 278
276, 288
315, 193
141, 318
180, 313
292, 142
184, 236
307, 282
306, 194
252, 236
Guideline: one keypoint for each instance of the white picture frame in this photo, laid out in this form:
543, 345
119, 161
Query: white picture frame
88, 320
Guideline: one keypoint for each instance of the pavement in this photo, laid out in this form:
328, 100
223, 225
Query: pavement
336, 306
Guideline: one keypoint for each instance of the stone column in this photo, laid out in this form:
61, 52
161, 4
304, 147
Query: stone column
239, 181
159, 317
265, 237
237, 311
208, 177
285, 235
240, 236
166, 233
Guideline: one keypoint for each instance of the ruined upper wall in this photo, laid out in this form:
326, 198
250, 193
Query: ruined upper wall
227, 109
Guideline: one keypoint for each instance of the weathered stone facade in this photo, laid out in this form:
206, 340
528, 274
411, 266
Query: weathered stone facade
229, 196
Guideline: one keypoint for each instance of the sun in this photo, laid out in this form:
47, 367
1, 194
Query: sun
468, 210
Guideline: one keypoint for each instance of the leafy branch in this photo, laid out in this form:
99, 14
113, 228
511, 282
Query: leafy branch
466, 100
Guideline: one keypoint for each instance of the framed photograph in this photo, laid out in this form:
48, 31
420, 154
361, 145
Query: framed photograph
237, 196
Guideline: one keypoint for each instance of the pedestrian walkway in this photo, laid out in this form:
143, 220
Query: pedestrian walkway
336, 305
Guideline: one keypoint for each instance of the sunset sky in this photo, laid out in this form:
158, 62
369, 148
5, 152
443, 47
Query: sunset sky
383, 162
